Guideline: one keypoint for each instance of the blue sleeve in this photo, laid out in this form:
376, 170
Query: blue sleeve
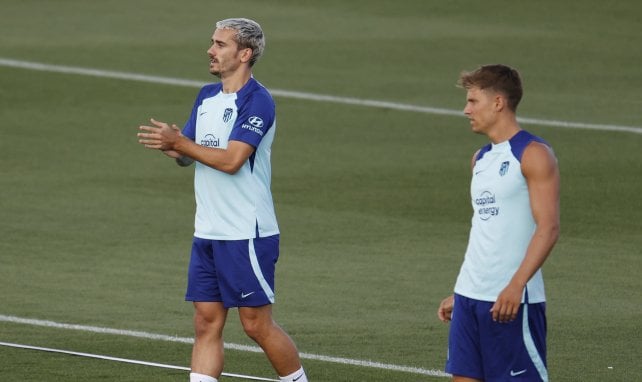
255, 117
189, 130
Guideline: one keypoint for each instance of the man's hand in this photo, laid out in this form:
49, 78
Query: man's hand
508, 303
161, 136
445, 310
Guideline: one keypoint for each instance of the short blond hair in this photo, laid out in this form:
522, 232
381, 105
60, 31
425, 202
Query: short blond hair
500, 78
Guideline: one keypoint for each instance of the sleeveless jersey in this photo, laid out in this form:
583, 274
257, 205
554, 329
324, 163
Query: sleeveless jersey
502, 223
237, 206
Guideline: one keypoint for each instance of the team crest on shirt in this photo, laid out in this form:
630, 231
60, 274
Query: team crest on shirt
504, 169
227, 114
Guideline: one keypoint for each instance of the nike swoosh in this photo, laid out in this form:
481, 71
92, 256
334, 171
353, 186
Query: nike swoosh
297, 378
243, 295
516, 373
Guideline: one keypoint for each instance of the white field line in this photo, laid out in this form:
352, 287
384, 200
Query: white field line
6, 62
124, 360
232, 346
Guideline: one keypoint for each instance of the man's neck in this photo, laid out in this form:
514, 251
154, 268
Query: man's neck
234, 82
504, 130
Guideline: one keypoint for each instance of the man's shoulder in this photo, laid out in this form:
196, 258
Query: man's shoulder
479, 154
208, 91
212, 88
539, 161
255, 91
524, 139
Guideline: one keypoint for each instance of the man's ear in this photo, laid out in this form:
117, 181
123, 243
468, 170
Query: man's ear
499, 102
246, 55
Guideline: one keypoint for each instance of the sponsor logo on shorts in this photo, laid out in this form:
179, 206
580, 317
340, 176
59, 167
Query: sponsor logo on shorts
245, 295
516, 373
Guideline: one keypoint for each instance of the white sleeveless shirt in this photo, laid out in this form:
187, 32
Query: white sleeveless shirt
502, 223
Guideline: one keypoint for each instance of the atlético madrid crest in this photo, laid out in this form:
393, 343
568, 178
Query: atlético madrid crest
504, 169
227, 114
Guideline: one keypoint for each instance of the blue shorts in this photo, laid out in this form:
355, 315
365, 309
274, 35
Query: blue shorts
481, 348
234, 272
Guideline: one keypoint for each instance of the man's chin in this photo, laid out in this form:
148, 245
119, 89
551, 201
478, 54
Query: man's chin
475, 130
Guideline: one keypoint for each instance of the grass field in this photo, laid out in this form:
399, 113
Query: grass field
372, 201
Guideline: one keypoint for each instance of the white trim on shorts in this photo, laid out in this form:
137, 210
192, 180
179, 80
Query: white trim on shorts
531, 348
258, 273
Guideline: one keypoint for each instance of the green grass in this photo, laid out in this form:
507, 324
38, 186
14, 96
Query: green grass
372, 203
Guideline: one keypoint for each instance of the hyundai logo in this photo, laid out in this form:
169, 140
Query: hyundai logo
255, 121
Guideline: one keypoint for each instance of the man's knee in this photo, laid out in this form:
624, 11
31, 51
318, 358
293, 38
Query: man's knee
256, 324
256, 328
208, 320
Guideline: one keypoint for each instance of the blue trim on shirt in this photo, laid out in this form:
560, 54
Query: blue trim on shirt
483, 151
256, 114
518, 144
207, 91
522, 139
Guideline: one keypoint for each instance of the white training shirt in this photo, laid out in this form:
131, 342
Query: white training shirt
502, 223
238, 206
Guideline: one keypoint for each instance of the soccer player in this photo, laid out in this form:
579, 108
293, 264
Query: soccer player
236, 240
497, 313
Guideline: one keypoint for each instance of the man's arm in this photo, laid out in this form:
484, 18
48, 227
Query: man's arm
167, 138
539, 167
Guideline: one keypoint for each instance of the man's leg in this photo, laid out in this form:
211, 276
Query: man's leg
207, 353
457, 378
277, 345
